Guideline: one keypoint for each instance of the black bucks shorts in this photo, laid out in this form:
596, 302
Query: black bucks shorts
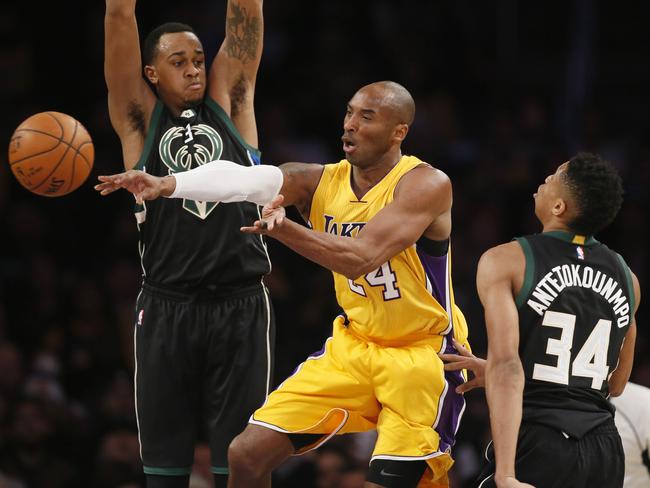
203, 365
547, 458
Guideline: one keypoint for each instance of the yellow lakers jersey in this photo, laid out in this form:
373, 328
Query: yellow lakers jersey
407, 298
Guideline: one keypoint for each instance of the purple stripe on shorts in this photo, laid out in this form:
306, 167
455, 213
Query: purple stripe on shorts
452, 406
436, 269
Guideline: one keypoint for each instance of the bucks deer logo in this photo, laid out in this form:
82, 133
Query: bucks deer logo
184, 148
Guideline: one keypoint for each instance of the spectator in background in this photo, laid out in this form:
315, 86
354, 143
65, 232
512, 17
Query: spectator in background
28, 455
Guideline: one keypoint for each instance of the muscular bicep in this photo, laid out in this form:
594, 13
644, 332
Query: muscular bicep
623, 369
234, 70
620, 376
423, 195
636, 288
496, 272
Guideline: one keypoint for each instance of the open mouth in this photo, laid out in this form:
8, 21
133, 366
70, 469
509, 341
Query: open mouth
348, 145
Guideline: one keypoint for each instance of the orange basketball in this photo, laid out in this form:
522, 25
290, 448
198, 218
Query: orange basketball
51, 154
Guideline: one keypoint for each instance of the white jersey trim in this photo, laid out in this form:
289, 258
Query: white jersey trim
135, 375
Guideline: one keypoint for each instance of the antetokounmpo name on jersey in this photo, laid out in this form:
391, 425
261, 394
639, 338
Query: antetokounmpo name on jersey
571, 275
347, 229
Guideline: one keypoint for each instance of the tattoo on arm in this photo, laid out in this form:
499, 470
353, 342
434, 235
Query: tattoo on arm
242, 34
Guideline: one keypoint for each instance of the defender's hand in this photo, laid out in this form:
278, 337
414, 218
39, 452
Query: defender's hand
465, 360
273, 215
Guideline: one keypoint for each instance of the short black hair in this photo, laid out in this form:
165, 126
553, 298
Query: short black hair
150, 43
598, 190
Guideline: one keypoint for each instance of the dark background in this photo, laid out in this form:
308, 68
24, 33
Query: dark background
505, 91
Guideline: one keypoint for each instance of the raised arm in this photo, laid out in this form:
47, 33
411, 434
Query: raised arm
130, 101
497, 272
620, 376
422, 197
233, 73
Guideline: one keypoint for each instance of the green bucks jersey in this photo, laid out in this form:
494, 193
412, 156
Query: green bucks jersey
187, 243
575, 307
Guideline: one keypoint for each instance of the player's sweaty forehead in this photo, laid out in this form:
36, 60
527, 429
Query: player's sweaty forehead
370, 99
391, 99
178, 43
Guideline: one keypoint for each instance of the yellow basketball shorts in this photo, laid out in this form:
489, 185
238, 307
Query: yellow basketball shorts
354, 386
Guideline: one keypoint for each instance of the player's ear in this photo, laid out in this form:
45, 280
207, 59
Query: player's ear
151, 74
559, 207
400, 132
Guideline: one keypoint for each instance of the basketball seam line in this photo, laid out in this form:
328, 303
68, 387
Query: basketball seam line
61, 141
74, 134
76, 127
74, 163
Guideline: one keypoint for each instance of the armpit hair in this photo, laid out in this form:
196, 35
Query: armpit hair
136, 116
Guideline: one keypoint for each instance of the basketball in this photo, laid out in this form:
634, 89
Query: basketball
51, 154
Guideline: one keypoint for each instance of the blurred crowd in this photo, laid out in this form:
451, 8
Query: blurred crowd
504, 92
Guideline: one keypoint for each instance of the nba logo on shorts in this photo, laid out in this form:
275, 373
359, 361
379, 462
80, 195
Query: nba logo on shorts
581, 252
140, 316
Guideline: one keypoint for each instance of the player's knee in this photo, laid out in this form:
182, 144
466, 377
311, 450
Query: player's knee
243, 456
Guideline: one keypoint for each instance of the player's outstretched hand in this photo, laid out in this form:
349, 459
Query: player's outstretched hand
273, 214
510, 482
143, 185
465, 360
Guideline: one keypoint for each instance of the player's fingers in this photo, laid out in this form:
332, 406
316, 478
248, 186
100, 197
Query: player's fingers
105, 188
451, 357
257, 225
455, 366
254, 229
462, 350
106, 178
105, 184
116, 180
458, 346
277, 201
468, 386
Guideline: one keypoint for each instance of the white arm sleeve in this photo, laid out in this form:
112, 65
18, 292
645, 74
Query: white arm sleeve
225, 181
